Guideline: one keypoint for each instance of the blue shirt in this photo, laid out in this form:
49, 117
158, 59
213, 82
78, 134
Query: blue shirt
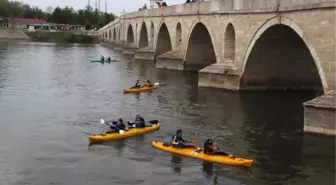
177, 139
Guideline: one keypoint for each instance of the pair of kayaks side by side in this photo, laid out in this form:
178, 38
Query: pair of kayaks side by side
128, 133
100, 61
198, 154
141, 89
103, 61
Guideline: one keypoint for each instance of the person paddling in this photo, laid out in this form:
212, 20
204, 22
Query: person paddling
210, 149
109, 59
139, 122
102, 58
179, 141
118, 125
148, 84
136, 84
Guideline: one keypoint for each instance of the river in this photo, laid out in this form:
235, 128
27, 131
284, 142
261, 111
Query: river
52, 97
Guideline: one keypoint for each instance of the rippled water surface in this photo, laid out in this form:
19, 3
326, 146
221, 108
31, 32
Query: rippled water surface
52, 97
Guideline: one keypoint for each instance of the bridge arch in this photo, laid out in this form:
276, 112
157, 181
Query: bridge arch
275, 66
117, 31
163, 43
119, 34
143, 42
136, 32
152, 33
200, 51
130, 35
229, 43
114, 34
178, 35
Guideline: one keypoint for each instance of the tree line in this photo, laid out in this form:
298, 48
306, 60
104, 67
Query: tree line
88, 17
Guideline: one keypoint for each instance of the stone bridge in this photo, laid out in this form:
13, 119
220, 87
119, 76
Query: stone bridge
237, 44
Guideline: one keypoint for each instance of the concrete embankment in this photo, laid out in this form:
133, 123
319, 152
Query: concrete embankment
59, 36
12, 34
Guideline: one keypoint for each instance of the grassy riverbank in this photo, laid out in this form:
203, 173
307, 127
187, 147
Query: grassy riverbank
59, 36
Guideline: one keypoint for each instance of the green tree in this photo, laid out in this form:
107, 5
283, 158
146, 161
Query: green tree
88, 17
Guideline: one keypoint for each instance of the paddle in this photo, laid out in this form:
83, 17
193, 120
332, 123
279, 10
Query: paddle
153, 122
159, 83
231, 155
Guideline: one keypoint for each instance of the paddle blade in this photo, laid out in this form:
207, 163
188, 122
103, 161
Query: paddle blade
156, 83
153, 122
193, 141
121, 132
102, 121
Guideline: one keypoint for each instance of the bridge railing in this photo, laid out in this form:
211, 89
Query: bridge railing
292, 3
115, 21
221, 6
256, 5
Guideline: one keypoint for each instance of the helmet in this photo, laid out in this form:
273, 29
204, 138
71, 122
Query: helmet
210, 140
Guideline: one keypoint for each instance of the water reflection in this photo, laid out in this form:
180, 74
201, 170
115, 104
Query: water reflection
274, 136
176, 163
119, 145
207, 169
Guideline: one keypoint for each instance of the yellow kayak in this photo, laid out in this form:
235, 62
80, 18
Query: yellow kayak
195, 153
128, 133
142, 89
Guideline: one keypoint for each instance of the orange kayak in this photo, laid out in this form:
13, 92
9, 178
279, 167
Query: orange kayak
142, 89
195, 153
128, 133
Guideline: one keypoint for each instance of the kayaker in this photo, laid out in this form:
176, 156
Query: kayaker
179, 141
136, 84
210, 149
102, 58
109, 59
139, 122
148, 84
118, 125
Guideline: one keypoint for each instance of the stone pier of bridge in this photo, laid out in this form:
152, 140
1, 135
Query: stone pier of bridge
241, 45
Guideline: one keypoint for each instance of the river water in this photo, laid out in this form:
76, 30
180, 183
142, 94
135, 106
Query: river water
52, 97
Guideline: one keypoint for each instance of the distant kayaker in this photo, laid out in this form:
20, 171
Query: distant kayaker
118, 125
139, 122
148, 84
102, 58
179, 141
210, 149
137, 84
109, 59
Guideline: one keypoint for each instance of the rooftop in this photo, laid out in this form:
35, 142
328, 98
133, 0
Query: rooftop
28, 21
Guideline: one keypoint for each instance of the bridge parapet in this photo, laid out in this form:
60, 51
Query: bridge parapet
229, 6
